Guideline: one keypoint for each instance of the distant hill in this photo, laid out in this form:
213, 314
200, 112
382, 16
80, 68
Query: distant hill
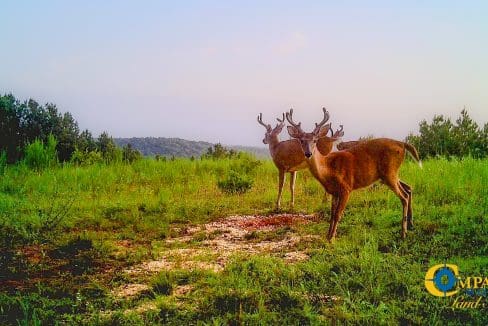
151, 146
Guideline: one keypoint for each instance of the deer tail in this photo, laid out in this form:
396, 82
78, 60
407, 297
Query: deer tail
413, 151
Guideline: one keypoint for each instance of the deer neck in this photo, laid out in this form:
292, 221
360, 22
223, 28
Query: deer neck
273, 145
317, 165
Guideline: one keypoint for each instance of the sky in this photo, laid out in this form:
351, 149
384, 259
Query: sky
204, 70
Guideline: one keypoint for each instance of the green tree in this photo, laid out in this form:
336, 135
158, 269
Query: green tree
39, 155
67, 136
10, 133
107, 147
130, 154
86, 143
467, 136
219, 152
443, 138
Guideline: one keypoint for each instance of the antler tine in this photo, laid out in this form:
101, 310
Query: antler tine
324, 120
289, 117
339, 132
331, 130
282, 120
260, 121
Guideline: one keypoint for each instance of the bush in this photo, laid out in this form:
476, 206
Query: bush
130, 154
39, 155
87, 157
219, 152
235, 183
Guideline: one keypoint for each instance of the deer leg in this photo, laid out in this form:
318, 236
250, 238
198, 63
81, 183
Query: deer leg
403, 196
332, 214
340, 205
293, 177
280, 188
408, 190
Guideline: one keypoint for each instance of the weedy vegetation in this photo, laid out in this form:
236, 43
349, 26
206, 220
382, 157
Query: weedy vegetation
69, 233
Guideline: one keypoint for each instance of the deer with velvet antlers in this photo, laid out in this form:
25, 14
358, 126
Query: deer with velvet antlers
288, 155
356, 167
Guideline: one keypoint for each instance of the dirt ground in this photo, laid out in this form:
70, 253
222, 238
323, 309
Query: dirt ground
209, 246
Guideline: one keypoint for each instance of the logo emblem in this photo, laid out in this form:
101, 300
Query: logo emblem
441, 280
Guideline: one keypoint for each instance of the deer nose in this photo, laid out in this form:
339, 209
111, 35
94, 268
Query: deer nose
308, 155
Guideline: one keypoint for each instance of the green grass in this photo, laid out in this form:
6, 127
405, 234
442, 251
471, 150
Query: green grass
61, 230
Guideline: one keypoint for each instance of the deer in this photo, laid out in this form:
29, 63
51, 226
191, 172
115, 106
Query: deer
347, 144
288, 156
357, 167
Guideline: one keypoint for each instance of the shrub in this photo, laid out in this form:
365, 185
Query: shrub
245, 163
219, 152
235, 183
130, 154
39, 155
86, 157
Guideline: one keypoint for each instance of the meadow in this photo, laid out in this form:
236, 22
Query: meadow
71, 235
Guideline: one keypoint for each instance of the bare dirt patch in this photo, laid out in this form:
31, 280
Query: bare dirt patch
209, 246
130, 290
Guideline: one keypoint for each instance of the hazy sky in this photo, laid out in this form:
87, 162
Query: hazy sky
205, 69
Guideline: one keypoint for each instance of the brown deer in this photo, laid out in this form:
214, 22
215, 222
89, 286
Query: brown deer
347, 144
359, 166
288, 155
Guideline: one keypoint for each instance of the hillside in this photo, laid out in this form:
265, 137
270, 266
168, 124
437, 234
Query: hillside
150, 146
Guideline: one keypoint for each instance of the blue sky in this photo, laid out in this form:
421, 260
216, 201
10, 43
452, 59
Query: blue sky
205, 69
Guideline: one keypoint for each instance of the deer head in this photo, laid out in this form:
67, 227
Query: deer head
308, 140
271, 133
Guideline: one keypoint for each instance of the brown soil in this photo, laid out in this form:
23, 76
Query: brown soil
220, 239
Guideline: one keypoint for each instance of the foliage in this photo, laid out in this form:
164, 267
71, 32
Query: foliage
129, 154
118, 215
443, 138
3, 161
86, 142
24, 123
235, 183
87, 157
218, 151
108, 149
39, 155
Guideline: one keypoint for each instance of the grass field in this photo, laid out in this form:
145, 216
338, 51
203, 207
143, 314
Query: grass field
148, 243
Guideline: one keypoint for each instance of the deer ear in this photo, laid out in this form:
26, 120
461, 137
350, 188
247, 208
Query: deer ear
324, 130
293, 132
278, 128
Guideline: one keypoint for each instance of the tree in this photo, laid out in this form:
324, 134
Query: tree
10, 134
67, 137
86, 143
467, 136
443, 138
107, 147
218, 152
129, 154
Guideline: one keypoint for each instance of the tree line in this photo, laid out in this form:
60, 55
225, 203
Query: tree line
40, 133
442, 137
28, 129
